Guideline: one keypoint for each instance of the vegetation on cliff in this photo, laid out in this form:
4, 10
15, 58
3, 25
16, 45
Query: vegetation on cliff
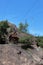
24, 37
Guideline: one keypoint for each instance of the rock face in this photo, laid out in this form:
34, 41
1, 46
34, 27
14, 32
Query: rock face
11, 54
13, 37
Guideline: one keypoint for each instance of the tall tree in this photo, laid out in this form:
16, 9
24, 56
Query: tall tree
23, 27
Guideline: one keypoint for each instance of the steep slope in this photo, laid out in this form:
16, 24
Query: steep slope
20, 34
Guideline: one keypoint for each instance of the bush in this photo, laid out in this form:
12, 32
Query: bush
40, 44
3, 27
40, 41
25, 40
3, 31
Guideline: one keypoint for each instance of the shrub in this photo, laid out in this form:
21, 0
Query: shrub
3, 31
3, 27
25, 40
40, 44
40, 41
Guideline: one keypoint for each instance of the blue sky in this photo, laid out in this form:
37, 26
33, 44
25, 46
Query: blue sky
17, 11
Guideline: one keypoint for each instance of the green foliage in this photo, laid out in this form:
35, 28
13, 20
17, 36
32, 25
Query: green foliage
40, 44
20, 27
40, 41
23, 27
3, 30
3, 27
25, 40
22, 40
